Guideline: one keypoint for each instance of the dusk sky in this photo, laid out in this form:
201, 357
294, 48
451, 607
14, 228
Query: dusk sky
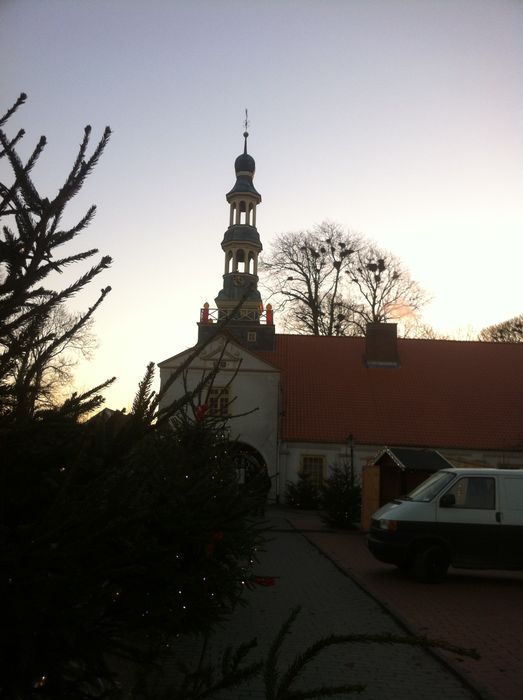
401, 119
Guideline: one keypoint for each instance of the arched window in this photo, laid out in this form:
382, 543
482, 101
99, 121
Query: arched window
228, 262
243, 213
240, 260
251, 263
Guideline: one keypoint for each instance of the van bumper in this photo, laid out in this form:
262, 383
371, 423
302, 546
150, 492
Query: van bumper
387, 551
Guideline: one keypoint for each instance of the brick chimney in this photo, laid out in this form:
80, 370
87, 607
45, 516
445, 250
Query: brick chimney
381, 345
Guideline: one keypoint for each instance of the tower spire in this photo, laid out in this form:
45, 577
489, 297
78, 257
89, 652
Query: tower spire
246, 124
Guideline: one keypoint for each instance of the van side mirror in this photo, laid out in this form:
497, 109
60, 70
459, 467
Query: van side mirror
447, 500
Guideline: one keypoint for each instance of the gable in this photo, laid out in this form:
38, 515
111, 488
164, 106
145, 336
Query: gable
224, 350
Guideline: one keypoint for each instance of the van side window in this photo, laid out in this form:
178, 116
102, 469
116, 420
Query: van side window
513, 496
475, 492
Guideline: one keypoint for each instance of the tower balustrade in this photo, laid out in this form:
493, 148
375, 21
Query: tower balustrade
210, 315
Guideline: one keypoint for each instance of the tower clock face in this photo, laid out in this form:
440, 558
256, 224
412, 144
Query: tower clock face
238, 280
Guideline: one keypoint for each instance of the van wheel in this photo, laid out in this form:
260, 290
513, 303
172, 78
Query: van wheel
431, 564
405, 566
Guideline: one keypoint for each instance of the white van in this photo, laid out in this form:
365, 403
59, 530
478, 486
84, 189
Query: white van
467, 518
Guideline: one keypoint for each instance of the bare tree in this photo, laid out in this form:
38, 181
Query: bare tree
328, 282
305, 272
385, 289
415, 328
510, 331
55, 361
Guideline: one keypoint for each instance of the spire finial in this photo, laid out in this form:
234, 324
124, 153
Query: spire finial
246, 123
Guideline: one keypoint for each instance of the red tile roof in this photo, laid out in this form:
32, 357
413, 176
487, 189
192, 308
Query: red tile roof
454, 394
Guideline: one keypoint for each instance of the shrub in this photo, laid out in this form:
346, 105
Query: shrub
341, 498
303, 494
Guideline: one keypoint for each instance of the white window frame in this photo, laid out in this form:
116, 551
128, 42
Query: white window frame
218, 401
316, 468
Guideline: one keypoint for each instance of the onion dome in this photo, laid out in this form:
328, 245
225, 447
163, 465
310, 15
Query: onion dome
245, 163
244, 167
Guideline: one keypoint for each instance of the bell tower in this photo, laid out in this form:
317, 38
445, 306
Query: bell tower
241, 242
241, 246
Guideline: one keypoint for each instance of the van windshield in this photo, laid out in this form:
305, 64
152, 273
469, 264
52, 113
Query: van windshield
426, 491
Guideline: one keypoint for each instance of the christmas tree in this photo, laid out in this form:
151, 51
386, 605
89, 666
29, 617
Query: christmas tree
119, 532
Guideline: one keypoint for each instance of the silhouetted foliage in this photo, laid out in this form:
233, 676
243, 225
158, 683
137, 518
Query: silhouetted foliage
118, 532
306, 271
303, 493
510, 331
341, 497
30, 258
328, 282
383, 288
279, 682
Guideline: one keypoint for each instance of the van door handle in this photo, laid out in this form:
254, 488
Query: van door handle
498, 516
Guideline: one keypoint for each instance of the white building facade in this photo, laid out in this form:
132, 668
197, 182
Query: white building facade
301, 404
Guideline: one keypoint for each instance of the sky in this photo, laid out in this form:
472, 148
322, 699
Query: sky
400, 119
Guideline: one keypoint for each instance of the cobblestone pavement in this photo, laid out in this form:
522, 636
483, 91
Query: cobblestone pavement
479, 609
331, 604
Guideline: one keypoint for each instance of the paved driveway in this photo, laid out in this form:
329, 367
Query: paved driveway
332, 603
482, 610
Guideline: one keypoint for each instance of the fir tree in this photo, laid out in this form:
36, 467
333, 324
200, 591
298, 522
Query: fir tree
116, 533
30, 257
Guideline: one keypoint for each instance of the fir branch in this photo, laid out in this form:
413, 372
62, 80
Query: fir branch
80, 170
165, 413
283, 690
23, 180
20, 101
35, 154
143, 397
67, 335
59, 297
271, 673
80, 156
14, 141
80, 404
70, 260
61, 237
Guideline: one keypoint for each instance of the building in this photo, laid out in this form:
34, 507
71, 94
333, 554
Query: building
304, 403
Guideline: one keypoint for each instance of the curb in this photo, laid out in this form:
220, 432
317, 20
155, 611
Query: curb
479, 691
